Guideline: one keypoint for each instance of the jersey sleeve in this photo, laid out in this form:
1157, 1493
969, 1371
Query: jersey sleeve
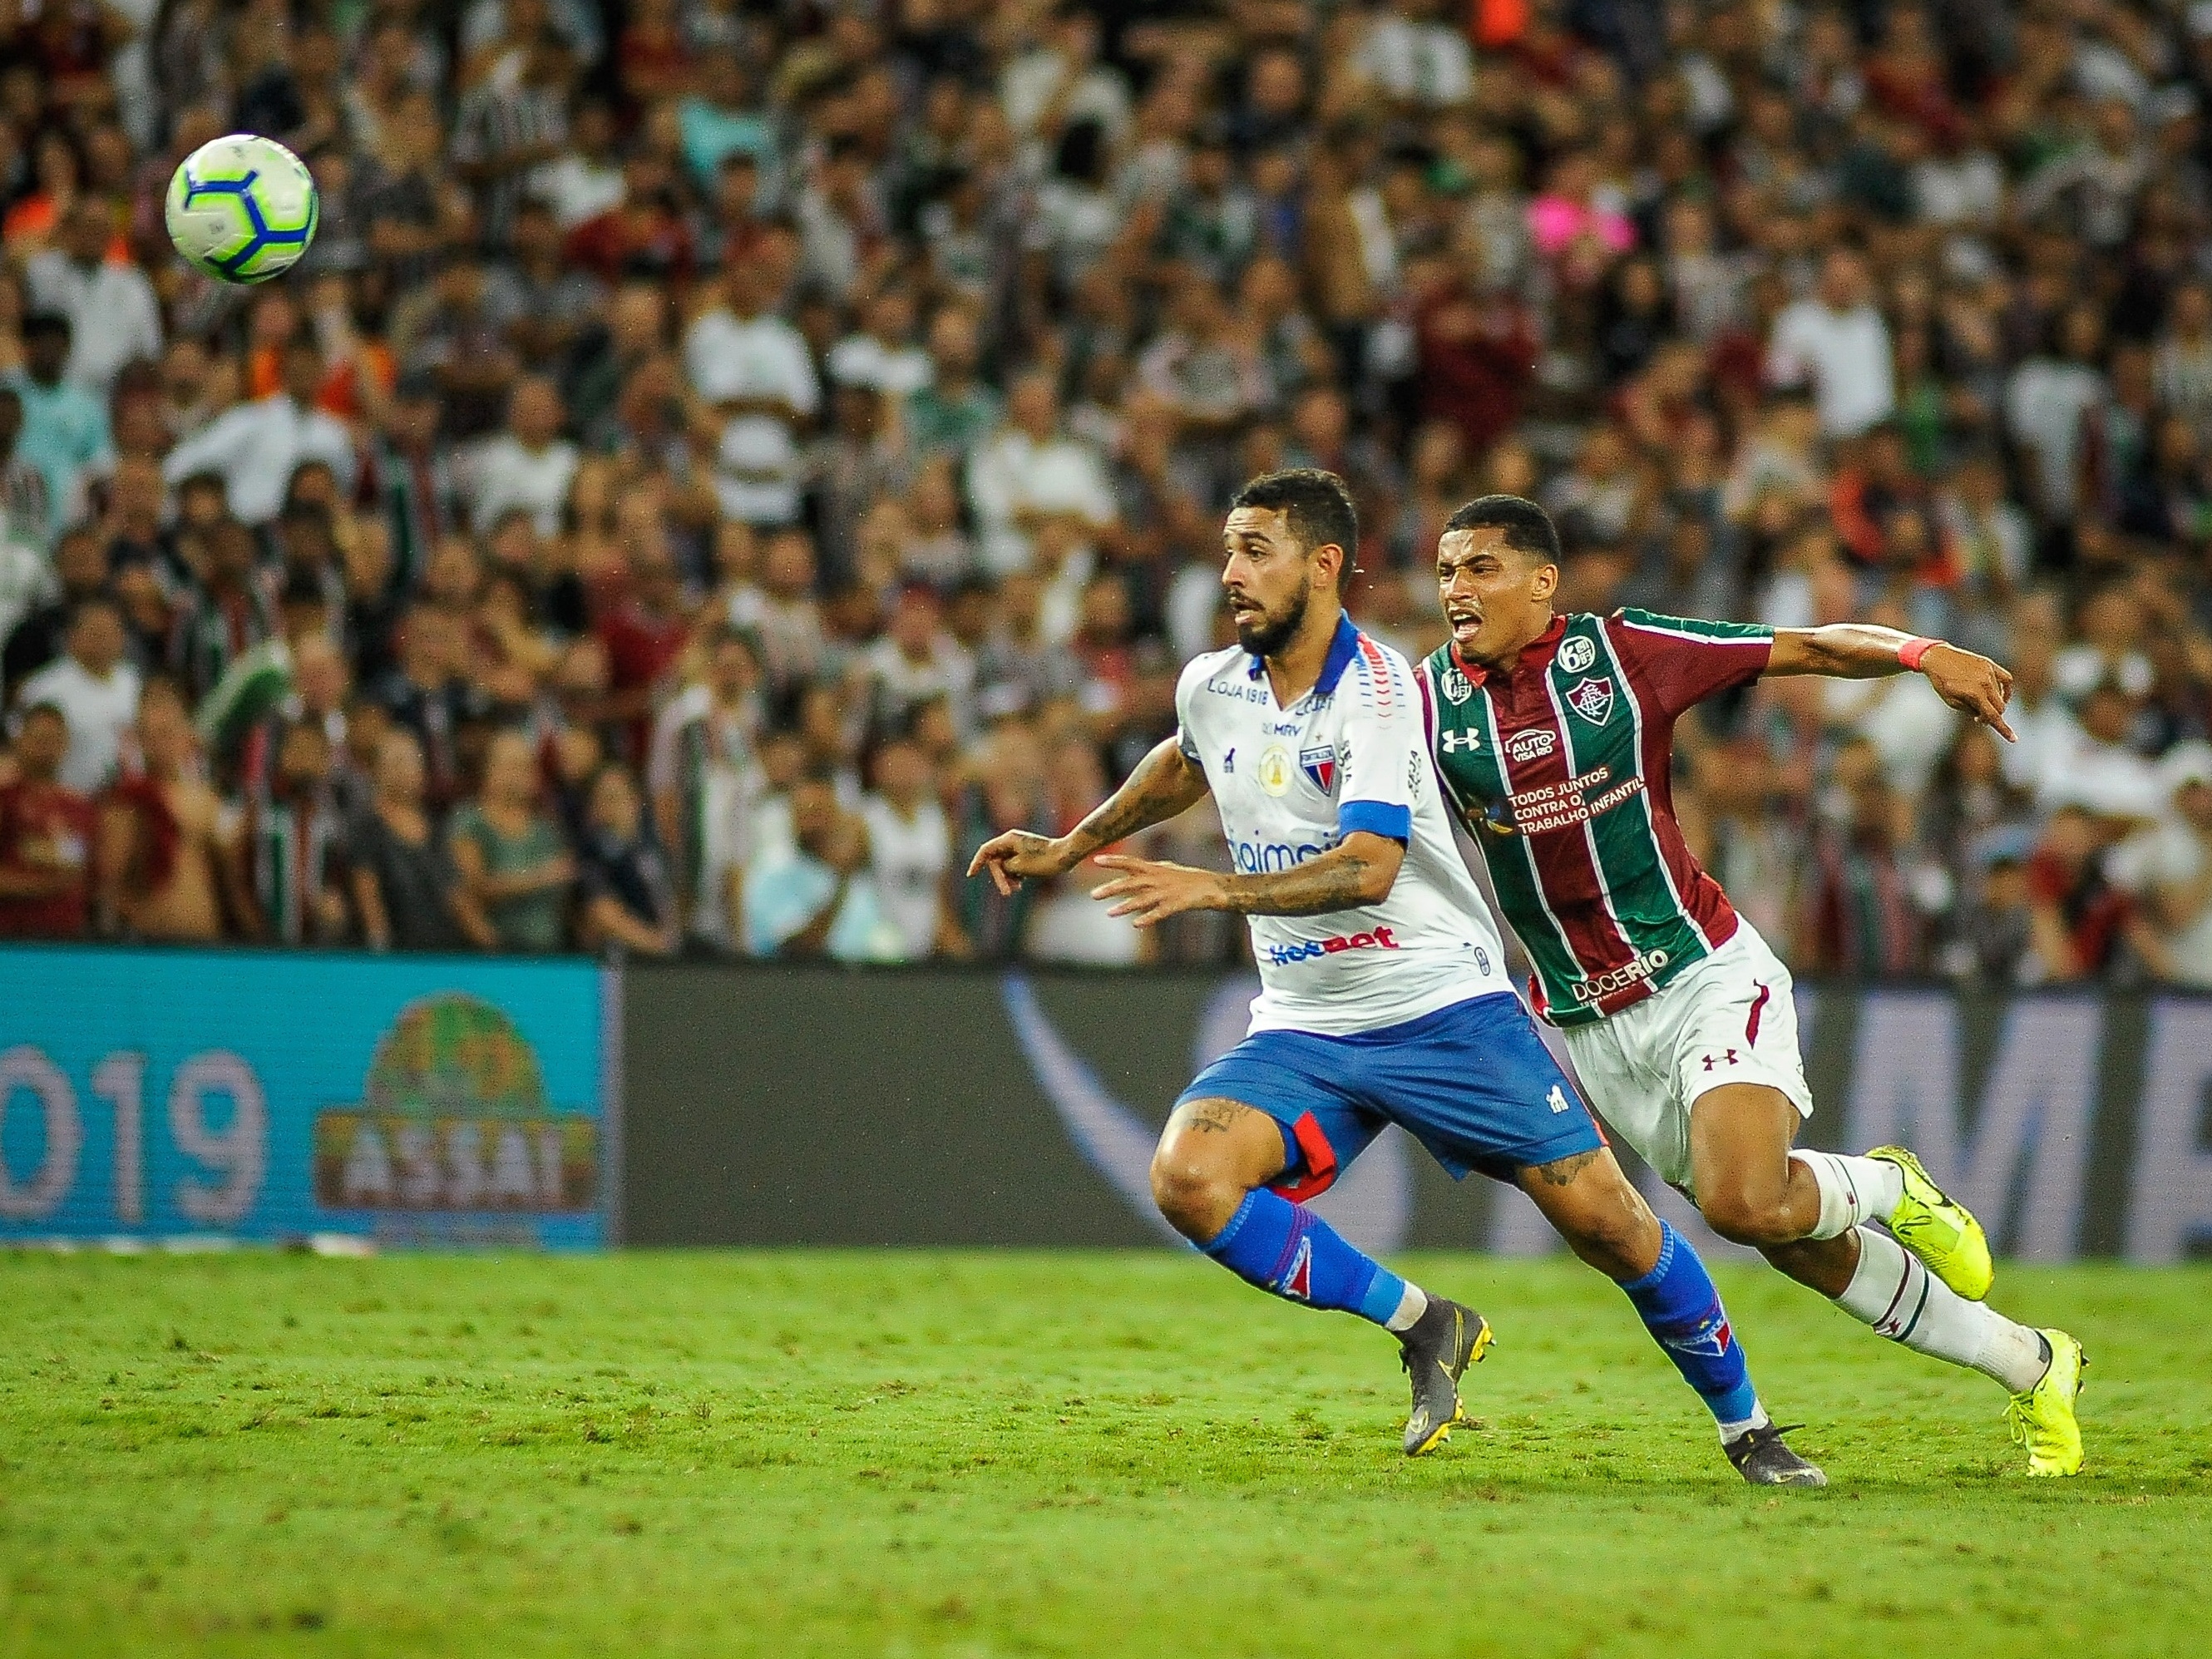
1676, 661
1194, 674
1385, 758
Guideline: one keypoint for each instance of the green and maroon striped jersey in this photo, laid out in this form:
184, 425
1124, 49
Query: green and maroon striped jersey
1559, 770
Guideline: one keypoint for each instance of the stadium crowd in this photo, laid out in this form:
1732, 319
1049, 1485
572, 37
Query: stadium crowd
723, 459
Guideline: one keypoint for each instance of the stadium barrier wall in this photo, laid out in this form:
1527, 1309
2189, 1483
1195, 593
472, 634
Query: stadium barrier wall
184, 1098
789, 1105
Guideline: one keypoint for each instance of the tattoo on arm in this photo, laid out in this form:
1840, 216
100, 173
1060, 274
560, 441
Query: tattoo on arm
1164, 785
1342, 878
1561, 1172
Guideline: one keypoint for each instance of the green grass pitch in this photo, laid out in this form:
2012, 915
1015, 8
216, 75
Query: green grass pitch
909, 1453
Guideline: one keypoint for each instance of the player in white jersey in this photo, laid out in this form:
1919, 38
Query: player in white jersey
1384, 998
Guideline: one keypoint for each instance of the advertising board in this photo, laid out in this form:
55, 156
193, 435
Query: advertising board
827, 1106
192, 1096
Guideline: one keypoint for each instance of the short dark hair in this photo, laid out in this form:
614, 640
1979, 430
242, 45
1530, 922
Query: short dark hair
1318, 505
1528, 527
51, 324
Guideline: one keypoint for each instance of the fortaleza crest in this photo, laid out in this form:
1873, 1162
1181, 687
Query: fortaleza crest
454, 1117
1320, 765
1576, 653
1592, 699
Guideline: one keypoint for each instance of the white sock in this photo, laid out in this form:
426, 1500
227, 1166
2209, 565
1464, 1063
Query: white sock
1411, 1307
1731, 1432
1852, 1189
1905, 1303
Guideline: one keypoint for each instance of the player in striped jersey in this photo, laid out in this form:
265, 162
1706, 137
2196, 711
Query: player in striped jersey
1554, 736
1383, 994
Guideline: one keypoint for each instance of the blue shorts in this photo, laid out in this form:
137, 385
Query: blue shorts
1473, 1082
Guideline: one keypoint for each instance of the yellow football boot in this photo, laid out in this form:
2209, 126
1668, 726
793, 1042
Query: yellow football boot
2043, 1419
1443, 1343
1938, 1229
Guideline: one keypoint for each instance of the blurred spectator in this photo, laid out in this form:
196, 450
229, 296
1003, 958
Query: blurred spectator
96, 691
638, 354
24, 493
294, 845
629, 899
1067, 926
951, 410
2078, 920
911, 851
811, 894
406, 888
46, 833
65, 432
113, 317
1414, 57
2047, 403
1835, 341
2166, 869
754, 372
1030, 473
1993, 942
426, 694
529, 465
257, 447
705, 780
1863, 917
79, 572
26, 579
169, 847
916, 661
513, 863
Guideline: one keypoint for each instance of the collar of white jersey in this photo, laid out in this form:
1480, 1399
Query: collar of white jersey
1343, 646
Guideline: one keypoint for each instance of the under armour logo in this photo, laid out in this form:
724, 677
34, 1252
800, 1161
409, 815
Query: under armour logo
1455, 741
1730, 1060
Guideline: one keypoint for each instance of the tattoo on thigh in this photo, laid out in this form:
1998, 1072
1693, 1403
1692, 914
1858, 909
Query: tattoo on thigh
1561, 1172
1213, 1117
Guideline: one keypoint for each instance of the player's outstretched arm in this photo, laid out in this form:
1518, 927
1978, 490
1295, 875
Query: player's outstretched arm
1971, 684
1166, 784
1359, 871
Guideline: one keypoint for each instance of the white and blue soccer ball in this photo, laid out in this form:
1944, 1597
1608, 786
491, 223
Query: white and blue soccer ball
243, 208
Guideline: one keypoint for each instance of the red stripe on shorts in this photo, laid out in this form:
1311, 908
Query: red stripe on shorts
1319, 1158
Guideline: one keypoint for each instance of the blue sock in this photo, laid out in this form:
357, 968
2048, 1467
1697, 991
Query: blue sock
1287, 1249
1683, 1312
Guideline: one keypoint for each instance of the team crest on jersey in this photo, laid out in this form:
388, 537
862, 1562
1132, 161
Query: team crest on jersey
1457, 687
1274, 769
1592, 699
1320, 765
1532, 745
1576, 653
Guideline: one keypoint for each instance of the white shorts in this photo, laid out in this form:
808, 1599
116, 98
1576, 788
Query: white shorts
1731, 1018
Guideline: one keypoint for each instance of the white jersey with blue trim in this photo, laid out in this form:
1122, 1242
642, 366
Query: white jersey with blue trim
1290, 784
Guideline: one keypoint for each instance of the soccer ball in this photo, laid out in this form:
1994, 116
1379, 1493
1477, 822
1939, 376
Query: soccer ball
243, 208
